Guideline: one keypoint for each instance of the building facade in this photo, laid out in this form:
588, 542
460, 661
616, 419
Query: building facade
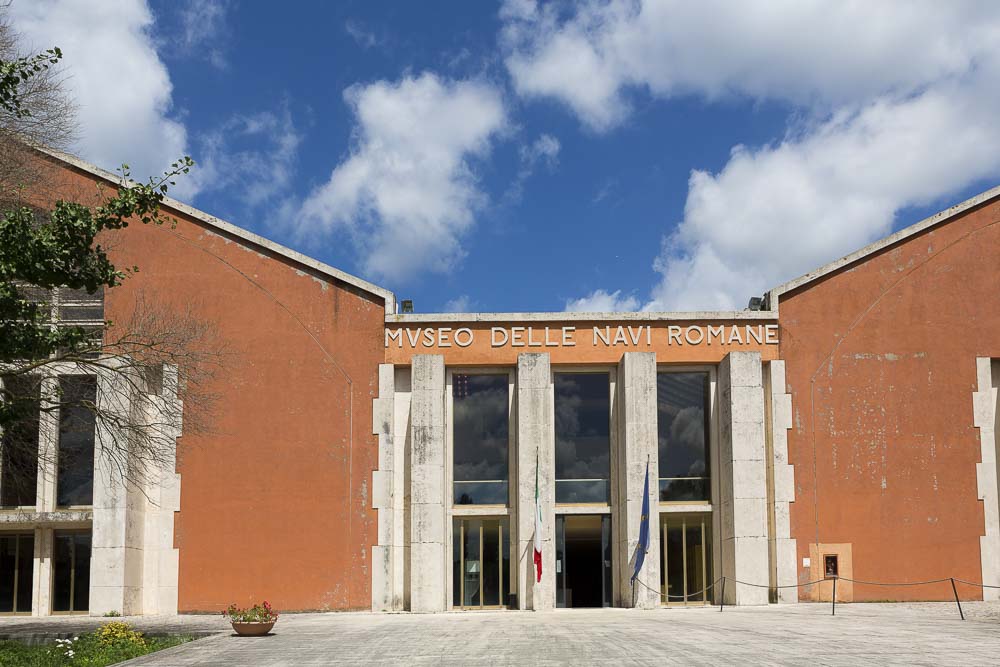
362, 458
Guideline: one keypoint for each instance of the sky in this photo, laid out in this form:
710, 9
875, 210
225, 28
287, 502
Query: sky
659, 155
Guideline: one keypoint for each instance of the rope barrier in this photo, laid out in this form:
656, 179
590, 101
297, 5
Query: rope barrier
833, 598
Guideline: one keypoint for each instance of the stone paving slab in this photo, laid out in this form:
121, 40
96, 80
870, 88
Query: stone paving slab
803, 634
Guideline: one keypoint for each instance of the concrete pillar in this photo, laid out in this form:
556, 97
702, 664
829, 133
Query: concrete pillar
162, 499
428, 497
984, 415
743, 475
636, 445
383, 492
41, 596
535, 442
780, 483
116, 546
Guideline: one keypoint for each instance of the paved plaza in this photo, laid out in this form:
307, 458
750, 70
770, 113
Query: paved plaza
804, 634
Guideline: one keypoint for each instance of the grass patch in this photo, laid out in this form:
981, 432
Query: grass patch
111, 643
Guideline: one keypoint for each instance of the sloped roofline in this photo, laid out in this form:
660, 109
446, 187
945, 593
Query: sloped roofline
232, 230
773, 296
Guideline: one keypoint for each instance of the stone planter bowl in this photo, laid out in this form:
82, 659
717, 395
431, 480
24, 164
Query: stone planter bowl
252, 629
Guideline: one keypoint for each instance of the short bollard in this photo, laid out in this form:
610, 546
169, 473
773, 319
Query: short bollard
722, 597
833, 598
955, 591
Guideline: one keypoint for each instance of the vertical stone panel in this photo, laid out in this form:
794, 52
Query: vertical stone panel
743, 479
116, 552
535, 442
637, 445
427, 490
384, 593
984, 415
781, 483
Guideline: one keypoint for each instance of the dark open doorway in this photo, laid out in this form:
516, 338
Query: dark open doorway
583, 560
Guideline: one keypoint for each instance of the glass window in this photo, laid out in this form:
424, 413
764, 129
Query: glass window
16, 568
682, 427
583, 437
686, 548
19, 467
71, 572
481, 437
480, 563
75, 483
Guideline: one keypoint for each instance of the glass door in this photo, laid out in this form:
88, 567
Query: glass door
687, 558
480, 563
16, 565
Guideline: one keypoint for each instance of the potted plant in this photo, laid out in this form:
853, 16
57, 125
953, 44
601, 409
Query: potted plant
252, 621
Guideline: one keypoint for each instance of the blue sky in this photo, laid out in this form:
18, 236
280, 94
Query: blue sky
519, 156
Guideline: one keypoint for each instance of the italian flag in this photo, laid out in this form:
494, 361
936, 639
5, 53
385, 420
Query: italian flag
538, 527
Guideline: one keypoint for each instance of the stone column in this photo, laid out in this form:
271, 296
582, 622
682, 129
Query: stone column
743, 485
385, 595
636, 445
780, 483
428, 497
535, 442
117, 540
984, 415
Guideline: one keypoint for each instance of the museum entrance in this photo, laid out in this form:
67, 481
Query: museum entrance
583, 560
686, 549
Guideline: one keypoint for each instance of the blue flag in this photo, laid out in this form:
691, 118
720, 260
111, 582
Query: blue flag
643, 545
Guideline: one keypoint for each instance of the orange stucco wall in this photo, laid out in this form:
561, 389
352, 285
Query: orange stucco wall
275, 502
881, 364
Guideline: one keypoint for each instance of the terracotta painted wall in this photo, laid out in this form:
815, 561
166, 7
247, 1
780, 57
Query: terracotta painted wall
881, 364
275, 504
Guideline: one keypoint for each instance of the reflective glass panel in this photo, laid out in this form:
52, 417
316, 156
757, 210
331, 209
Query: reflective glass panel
71, 572
686, 572
481, 436
19, 469
75, 484
682, 428
481, 562
583, 437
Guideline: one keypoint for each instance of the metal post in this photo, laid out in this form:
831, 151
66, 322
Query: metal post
834, 612
722, 598
955, 591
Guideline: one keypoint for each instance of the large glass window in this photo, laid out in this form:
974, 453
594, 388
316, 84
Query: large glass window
480, 563
16, 566
71, 572
583, 437
19, 465
481, 436
75, 482
686, 546
682, 427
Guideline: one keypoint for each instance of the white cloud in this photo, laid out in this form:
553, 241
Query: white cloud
600, 301
779, 211
408, 190
365, 38
116, 77
253, 154
204, 25
460, 304
896, 103
802, 51
543, 149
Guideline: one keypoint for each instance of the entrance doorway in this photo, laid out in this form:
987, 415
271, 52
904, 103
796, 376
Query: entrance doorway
687, 558
480, 563
583, 560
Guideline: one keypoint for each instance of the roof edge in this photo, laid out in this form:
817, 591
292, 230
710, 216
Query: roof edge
233, 230
881, 244
628, 316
